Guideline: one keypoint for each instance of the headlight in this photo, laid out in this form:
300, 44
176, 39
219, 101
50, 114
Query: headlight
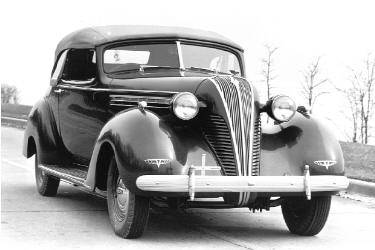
283, 108
185, 106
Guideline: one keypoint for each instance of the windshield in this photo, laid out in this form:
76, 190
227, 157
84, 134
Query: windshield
130, 58
213, 59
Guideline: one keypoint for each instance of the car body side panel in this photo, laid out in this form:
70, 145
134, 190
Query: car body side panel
137, 135
81, 118
288, 147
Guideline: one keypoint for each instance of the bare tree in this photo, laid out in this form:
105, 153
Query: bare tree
9, 94
313, 83
361, 98
268, 68
369, 99
364, 81
353, 113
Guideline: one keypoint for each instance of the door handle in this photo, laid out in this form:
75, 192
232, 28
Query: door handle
58, 91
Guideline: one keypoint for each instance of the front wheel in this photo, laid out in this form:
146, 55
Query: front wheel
306, 217
128, 212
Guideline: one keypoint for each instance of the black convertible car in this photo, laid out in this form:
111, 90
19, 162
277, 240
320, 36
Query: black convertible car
143, 113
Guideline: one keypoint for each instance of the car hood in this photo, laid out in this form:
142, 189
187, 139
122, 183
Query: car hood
184, 82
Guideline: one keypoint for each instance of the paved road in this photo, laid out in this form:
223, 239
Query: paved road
75, 219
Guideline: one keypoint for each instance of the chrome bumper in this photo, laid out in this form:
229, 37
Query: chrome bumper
278, 184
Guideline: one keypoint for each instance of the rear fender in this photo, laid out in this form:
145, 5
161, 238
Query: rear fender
136, 136
288, 147
42, 128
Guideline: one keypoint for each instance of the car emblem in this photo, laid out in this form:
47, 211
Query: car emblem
157, 162
326, 163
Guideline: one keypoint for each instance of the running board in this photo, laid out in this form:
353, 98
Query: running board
71, 175
75, 176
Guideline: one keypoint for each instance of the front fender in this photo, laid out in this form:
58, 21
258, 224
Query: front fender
136, 135
288, 147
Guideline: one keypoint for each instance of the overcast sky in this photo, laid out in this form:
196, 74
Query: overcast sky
342, 32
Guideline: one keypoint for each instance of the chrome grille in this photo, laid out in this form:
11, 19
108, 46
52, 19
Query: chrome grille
217, 134
242, 125
255, 170
237, 95
133, 100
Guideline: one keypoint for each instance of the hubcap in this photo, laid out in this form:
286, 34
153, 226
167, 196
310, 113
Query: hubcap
122, 195
39, 173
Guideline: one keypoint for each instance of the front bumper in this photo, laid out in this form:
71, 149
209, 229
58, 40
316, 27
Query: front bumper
217, 184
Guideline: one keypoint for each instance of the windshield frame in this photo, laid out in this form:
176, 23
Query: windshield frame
178, 43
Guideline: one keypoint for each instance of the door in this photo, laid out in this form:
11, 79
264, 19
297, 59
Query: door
53, 96
78, 114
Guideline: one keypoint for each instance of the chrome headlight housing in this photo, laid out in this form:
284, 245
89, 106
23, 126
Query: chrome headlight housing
281, 108
185, 105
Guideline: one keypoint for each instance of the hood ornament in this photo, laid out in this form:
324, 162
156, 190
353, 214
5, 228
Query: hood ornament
157, 162
234, 81
142, 105
325, 163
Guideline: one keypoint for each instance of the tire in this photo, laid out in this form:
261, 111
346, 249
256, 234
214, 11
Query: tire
45, 184
128, 213
306, 217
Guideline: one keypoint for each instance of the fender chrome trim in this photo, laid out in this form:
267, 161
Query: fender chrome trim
120, 91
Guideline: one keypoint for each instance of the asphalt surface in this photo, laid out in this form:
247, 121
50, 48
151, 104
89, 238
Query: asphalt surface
74, 219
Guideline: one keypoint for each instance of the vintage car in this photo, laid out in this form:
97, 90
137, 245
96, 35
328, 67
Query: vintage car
139, 114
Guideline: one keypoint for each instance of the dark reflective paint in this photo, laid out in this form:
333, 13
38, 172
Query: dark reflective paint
288, 147
80, 120
43, 130
139, 135
73, 119
174, 84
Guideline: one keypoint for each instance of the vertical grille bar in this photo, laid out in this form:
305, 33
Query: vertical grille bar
217, 134
238, 98
243, 128
255, 170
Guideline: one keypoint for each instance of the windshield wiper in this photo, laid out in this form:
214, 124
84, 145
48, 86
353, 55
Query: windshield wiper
201, 69
207, 70
152, 67
123, 71
235, 73
142, 68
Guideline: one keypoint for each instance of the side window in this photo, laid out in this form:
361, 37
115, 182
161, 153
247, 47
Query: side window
80, 66
59, 66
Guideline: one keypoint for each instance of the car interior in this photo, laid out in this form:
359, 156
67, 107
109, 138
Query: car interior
79, 65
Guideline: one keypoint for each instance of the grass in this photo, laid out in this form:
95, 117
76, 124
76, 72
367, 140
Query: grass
359, 161
359, 158
15, 110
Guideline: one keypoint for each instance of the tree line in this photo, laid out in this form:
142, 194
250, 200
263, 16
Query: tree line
9, 94
360, 96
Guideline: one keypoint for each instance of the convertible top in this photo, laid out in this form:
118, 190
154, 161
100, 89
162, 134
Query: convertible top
95, 36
